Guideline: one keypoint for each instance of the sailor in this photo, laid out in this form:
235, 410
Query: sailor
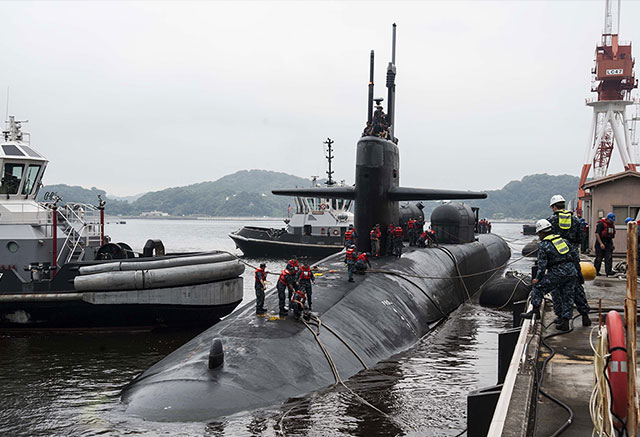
556, 274
419, 226
350, 261
298, 304
605, 233
260, 286
422, 240
391, 229
306, 278
397, 241
285, 281
411, 231
362, 262
584, 244
380, 123
565, 224
374, 237
350, 236
294, 267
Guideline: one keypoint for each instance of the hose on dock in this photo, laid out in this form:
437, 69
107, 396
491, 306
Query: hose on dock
600, 401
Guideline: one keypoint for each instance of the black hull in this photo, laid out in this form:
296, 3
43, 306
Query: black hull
85, 316
270, 243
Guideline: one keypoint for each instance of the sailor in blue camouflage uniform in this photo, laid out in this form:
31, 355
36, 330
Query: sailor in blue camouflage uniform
556, 274
568, 226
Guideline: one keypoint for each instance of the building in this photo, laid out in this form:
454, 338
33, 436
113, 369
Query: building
618, 193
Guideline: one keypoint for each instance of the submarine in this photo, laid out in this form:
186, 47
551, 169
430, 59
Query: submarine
250, 361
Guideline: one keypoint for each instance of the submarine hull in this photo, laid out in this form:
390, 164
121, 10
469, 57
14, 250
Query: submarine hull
268, 360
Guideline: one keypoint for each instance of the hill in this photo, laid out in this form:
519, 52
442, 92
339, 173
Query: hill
248, 193
527, 199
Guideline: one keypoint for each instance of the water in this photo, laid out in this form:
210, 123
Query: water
54, 384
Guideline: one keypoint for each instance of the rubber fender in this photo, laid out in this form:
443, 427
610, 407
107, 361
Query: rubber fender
617, 368
216, 354
153, 248
503, 292
588, 270
531, 248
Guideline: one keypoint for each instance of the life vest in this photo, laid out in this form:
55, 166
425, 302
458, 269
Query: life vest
424, 235
560, 245
264, 276
299, 295
411, 224
564, 219
348, 235
306, 273
283, 276
398, 231
378, 233
362, 257
609, 230
350, 254
391, 229
373, 234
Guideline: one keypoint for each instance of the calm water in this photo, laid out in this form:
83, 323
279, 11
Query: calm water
69, 384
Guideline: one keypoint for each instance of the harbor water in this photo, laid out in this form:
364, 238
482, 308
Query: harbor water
69, 383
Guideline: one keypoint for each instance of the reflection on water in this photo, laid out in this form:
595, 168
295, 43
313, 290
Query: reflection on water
69, 383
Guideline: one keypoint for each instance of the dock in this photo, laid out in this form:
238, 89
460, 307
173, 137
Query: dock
520, 407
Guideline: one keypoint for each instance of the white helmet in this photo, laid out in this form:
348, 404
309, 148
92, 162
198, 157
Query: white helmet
542, 225
556, 199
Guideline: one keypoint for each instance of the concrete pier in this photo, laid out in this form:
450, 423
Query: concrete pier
569, 375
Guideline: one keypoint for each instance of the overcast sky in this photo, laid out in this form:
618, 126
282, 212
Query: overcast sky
139, 96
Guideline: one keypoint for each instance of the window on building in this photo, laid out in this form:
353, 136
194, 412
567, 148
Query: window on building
624, 211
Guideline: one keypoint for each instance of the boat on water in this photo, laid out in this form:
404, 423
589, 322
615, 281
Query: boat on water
59, 270
317, 227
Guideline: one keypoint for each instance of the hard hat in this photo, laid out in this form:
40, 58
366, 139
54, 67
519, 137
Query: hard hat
627, 220
611, 216
556, 199
542, 225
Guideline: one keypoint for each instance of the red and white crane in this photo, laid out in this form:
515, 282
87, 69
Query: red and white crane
614, 79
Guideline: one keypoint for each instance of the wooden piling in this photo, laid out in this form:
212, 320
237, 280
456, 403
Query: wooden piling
631, 314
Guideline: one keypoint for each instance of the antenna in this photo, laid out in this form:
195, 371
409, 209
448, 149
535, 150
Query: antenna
370, 100
391, 86
330, 172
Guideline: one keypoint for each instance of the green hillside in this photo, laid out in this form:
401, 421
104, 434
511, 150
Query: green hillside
248, 193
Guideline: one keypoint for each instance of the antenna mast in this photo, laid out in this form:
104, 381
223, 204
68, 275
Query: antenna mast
370, 100
329, 156
391, 86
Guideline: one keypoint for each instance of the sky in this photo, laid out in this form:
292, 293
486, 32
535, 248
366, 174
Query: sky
132, 97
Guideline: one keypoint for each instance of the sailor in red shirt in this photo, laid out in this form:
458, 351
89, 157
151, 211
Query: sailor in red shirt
362, 262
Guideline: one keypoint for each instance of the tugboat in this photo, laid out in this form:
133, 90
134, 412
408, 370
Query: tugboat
59, 270
317, 227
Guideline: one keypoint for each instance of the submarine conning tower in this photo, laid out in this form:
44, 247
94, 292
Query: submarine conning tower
377, 190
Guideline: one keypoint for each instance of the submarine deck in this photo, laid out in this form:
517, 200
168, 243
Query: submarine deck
569, 374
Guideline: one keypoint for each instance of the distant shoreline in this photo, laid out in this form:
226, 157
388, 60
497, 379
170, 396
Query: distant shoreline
116, 218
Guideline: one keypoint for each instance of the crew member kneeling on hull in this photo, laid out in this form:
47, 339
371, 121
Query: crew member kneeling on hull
556, 274
261, 277
298, 305
362, 262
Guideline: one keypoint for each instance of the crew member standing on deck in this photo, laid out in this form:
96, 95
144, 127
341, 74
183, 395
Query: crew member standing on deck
397, 242
375, 242
261, 278
411, 230
285, 281
350, 236
306, 278
605, 232
556, 274
565, 224
391, 229
350, 261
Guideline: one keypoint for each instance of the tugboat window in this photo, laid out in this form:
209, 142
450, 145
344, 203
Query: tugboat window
12, 150
11, 178
30, 180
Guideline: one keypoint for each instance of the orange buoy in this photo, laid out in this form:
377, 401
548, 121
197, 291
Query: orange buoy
617, 368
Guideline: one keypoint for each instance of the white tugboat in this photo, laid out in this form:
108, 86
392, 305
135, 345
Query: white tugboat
58, 270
